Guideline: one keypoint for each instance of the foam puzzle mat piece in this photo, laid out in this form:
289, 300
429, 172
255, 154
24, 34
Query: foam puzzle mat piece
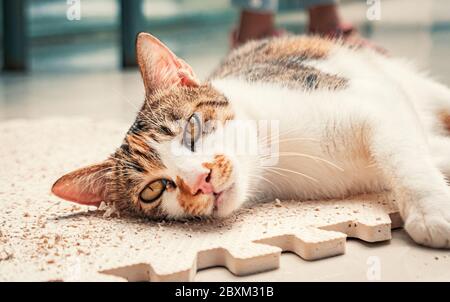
310, 243
43, 238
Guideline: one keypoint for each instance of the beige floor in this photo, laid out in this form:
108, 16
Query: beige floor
111, 94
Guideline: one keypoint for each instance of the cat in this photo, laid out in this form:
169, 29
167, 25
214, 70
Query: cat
350, 121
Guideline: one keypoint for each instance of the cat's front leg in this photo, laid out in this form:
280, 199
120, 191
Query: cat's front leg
424, 201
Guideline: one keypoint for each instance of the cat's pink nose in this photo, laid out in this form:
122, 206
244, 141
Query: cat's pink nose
202, 185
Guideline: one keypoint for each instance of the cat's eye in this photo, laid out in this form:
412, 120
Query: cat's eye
192, 132
153, 191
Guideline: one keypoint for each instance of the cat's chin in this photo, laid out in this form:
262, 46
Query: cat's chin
225, 202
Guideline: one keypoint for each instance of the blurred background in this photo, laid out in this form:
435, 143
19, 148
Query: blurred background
56, 65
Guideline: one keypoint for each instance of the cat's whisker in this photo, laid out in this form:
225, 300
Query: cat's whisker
123, 170
292, 171
308, 156
266, 139
299, 139
125, 162
149, 119
261, 177
253, 192
104, 169
275, 187
276, 172
288, 131
92, 182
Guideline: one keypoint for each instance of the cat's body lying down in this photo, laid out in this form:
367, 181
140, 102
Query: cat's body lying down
350, 121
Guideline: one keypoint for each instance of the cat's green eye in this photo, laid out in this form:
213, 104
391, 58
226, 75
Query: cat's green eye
192, 132
153, 191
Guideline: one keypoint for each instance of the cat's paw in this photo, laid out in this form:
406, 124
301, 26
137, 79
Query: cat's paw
430, 229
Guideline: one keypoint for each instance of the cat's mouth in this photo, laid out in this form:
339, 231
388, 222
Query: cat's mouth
220, 199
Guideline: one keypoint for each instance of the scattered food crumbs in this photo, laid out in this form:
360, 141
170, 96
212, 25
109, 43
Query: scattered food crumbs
6, 254
277, 203
109, 210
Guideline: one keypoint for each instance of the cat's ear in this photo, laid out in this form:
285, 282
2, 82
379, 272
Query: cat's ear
160, 67
85, 186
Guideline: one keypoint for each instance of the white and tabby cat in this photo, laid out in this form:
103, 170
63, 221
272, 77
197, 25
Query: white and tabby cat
350, 121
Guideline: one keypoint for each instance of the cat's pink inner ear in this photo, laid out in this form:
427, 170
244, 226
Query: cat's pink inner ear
160, 67
85, 186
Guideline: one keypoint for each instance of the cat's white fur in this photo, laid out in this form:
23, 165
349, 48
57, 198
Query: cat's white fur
388, 111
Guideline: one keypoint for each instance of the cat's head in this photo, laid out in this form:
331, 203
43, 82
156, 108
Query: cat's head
172, 161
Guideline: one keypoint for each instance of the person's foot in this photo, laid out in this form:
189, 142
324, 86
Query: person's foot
324, 20
254, 26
